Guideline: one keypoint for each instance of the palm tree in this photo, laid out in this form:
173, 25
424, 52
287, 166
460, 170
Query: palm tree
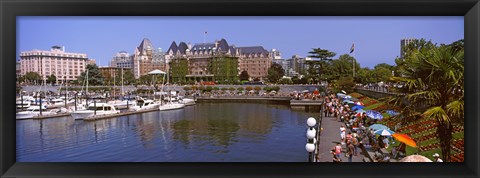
434, 86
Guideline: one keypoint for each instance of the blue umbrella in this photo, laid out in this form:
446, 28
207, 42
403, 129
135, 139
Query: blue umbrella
374, 114
392, 113
357, 107
378, 127
340, 94
360, 110
348, 101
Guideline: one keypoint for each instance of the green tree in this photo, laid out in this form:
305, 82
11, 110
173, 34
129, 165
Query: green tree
33, 77
51, 79
345, 83
128, 77
244, 75
364, 76
21, 78
285, 81
275, 72
145, 80
341, 67
434, 86
178, 70
317, 67
94, 75
381, 74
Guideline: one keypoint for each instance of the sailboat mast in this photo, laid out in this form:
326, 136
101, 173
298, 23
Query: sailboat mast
122, 80
87, 84
114, 85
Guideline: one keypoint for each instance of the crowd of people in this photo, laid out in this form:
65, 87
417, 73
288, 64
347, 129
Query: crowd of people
354, 133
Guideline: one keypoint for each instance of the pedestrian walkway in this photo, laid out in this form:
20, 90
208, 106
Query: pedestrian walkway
329, 137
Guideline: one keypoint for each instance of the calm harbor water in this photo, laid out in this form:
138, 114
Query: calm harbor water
206, 132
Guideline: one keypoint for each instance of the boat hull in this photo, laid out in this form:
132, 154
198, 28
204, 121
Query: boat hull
173, 106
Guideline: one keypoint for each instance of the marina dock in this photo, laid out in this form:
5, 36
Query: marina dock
98, 117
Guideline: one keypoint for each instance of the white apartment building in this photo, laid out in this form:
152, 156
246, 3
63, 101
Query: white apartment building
64, 65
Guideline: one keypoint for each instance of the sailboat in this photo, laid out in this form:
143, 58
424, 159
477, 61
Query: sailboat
169, 105
125, 102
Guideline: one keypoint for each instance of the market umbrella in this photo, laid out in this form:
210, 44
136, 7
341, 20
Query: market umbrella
359, 103
357, 107
415, 158
392, 113
404, 138
340, 94
378, 127
374, 114
156, 71
360, 111
348, 101
384, 132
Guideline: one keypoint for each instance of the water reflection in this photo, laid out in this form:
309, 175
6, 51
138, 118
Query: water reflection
204, 132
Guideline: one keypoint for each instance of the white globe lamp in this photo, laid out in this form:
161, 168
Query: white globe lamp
310, 147
311, 121
311, 133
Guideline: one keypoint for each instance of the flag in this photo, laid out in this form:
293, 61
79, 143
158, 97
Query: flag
352, 48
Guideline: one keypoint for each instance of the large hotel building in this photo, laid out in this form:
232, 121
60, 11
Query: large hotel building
253, 59
145, 59
64, 65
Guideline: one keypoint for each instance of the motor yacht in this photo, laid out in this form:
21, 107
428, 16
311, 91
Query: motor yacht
95, 109
33, 111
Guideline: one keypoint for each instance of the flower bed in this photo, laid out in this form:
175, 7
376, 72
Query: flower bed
357, 95
459, 157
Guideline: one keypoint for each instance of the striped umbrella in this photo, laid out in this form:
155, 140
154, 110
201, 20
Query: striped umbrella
384, 132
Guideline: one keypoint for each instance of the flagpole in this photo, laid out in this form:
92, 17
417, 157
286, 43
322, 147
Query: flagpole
204, 36
353, 55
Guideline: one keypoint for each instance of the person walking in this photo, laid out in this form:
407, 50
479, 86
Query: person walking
342, 133
355, 144
350, 150
338, 150
335, 157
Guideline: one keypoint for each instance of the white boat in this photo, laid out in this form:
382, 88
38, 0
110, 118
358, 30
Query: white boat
122, 104
33, 111
59, 102
23, 105
171, 106
187, 101
143, 104
95, 109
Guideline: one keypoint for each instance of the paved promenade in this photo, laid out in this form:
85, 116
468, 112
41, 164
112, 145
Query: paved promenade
328, 139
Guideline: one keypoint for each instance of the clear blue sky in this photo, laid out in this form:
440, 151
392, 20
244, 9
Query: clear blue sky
377, 39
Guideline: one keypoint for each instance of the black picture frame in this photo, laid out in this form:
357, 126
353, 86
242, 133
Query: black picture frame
9, 9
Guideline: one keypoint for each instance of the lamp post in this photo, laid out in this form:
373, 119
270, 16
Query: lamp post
311, 134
